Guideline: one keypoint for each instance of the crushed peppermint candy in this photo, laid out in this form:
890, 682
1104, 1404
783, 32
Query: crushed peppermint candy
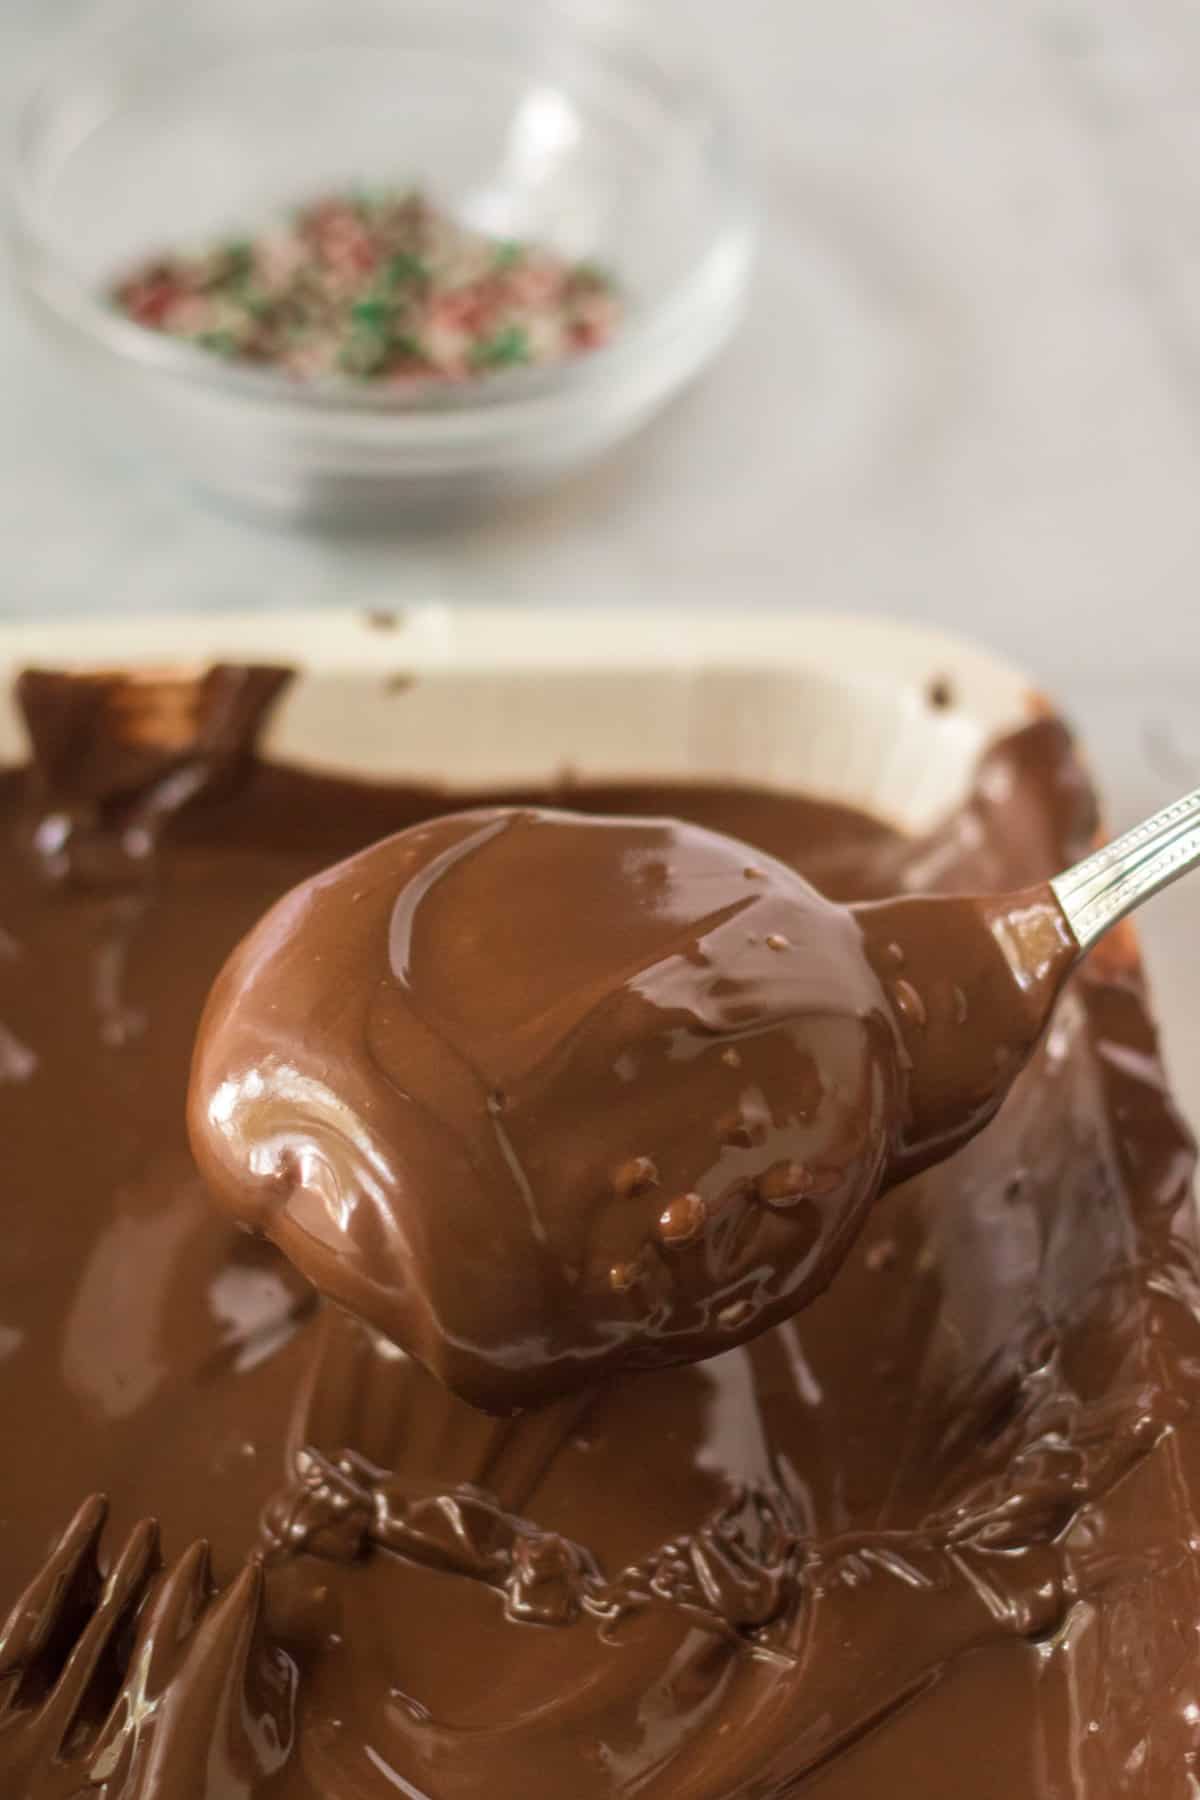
380, 288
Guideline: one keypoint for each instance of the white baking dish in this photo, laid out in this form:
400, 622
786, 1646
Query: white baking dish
874, 714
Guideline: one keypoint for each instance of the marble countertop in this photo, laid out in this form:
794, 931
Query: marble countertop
968, 393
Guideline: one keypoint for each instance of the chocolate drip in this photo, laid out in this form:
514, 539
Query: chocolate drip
116, 755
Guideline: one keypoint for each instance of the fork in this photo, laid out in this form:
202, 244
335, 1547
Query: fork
135, 1680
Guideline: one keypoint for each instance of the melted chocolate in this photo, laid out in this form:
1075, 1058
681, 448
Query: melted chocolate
936, 1535
546, 1095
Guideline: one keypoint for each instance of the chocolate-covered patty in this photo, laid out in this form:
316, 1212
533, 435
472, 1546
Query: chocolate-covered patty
934, 1536
542, 1095
545, 1095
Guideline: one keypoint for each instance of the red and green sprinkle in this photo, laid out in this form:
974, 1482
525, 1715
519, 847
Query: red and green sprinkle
380, 288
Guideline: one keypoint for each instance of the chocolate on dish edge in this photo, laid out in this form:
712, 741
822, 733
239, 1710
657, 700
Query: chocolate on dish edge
932, 1537
546, 1095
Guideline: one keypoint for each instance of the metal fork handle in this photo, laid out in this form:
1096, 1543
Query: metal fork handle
1110, 883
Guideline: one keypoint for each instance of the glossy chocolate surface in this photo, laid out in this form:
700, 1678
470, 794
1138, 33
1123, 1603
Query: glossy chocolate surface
935, 1536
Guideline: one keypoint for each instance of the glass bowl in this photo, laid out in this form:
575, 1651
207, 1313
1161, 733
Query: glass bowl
553, 122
